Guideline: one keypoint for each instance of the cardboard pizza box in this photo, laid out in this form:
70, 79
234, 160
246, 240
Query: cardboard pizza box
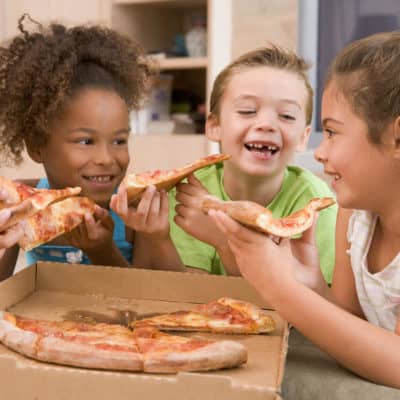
108, 294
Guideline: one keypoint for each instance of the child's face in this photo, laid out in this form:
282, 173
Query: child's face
360, 170
87, 144
262, 120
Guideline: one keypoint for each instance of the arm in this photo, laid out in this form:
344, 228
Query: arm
343, 291
153, 246
355, 343
196, 223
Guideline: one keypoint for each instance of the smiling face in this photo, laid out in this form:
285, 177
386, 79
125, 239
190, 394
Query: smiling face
261, 122
361, 171
87, 144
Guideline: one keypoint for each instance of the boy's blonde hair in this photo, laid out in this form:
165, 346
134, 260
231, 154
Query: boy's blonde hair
272, 56
367, 73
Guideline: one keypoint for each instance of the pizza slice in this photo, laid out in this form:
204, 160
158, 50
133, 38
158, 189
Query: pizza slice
261, 219
34, 200
225, 315
136, 184
115, 347
167, 353
54, 220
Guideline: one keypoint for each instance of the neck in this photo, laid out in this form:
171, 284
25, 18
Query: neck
261, 190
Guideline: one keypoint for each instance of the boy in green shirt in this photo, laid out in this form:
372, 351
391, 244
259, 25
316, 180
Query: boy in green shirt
260, 114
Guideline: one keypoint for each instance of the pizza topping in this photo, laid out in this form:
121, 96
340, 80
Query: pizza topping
224, 315
108, 346
136, 184
255, 216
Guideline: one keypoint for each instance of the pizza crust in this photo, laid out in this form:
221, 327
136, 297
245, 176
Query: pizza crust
259, 218
136, 184
117, 349
213, 356
59, 351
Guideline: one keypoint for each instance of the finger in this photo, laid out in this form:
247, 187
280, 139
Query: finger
154, 209
195, 182
4, 216
164, 206
122, 200
229, 227
113, 203
145, 202
11, 236
3, 194
188, 200
308, 236
191, 190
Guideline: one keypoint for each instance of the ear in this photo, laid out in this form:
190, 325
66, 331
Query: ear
213, 130
35, 153
396, 137
302, 145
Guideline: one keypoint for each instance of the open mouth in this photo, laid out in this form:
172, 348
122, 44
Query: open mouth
100, 178
265, 149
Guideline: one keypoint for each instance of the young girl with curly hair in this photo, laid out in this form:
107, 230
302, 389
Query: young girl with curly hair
65, 96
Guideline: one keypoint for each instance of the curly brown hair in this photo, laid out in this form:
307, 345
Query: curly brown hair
40, 70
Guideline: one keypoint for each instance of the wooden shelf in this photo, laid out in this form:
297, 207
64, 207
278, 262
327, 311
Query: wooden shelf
182, 63
172, 2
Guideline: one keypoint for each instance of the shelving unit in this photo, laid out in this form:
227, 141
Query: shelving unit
156, 24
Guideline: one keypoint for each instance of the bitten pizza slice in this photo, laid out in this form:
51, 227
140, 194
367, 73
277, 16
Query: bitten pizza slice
115, 347
225, 315
53, 221
34, 200
136, 184
169, 353
261, 219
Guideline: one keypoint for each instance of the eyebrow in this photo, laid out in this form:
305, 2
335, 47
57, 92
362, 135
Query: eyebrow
249, 96
93, 131
326, 120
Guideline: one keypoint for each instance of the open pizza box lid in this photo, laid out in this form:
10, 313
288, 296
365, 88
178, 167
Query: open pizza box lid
62, 291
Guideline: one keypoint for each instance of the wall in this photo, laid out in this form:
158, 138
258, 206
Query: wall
257, 22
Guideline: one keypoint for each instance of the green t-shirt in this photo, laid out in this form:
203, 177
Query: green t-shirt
299, 186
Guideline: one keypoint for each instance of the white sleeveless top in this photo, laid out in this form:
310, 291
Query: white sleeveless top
379, 293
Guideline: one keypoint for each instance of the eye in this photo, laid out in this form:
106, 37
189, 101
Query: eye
247, 111
85, 141
329, 133
120, 141
288, 117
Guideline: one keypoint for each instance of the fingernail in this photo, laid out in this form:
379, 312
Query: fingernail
4, 215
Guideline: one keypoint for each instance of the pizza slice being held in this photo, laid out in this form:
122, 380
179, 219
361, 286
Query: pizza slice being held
115, 347
136, 184
54, 220
261, 219
225, 315
25, 201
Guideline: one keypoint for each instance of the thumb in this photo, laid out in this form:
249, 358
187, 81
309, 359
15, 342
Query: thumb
309, 235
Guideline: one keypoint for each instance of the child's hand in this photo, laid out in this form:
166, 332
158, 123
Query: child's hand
190, 216
96, 232
306, 252
151, 215
264, 263
11, 235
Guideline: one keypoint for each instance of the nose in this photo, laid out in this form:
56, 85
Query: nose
266, 121
102, 155
320, 153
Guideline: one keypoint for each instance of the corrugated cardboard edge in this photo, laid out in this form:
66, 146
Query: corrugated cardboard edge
283, 352
164, 283
24, 282
37, 275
